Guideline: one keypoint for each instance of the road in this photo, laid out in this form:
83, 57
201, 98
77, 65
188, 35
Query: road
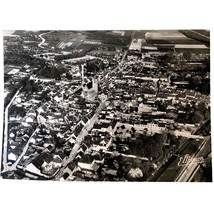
43, 40
122, 61
49, 80
5, 143
88, 126
124, 155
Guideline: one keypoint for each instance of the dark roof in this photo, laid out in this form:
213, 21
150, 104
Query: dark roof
162, 124
81, 153
71, 166
78, 129
97, 126
61, 154
66, 175
50, 147
91, 114
37, 162
87, 159
98, 156
105, 125
114, 122
190, 93
181, 95
85, 119
78, 174
46, 157
162, 95
144, 122
84, 147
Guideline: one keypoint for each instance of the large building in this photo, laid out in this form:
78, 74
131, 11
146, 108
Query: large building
168, 37
193, 48
136, 44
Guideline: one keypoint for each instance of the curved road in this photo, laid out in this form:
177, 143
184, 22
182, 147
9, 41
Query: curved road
43, 40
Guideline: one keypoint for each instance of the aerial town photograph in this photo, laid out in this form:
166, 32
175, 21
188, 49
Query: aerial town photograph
107, 105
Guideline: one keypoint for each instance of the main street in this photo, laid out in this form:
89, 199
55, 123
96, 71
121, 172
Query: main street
84, 132
88, 126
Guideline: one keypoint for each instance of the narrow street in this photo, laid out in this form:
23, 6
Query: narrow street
5, 142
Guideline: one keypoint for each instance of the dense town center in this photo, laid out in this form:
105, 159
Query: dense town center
107, 106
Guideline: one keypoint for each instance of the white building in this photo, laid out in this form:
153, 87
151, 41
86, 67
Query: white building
136, 44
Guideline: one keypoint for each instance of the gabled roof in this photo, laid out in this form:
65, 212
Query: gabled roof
84, 147
87, 159
61, 154
46, 157
71, 165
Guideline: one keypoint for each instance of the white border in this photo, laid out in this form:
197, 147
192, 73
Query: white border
58, 197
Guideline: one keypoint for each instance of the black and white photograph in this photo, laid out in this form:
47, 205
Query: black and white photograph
107, 105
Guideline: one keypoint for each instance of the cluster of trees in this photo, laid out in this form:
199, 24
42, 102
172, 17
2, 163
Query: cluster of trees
207, 169
157, 148
17, 57
161, 105
195, 113
31, 87
93, 66
200, 84
54, 72
117, 41
165, 59
154, 146
13, 90
18, 110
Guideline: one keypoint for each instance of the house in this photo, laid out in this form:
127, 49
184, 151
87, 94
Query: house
86, 167
79, 155
61, 155
65, 175
12, 156
88, 163
171, 109
79, 174
84, 147
72, 166
180, 96
110, 171
189, 94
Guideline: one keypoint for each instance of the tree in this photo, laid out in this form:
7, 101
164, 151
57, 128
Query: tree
207, 114
133, 129
202, 107
197, 117
122, 127
196, 80
187, 55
